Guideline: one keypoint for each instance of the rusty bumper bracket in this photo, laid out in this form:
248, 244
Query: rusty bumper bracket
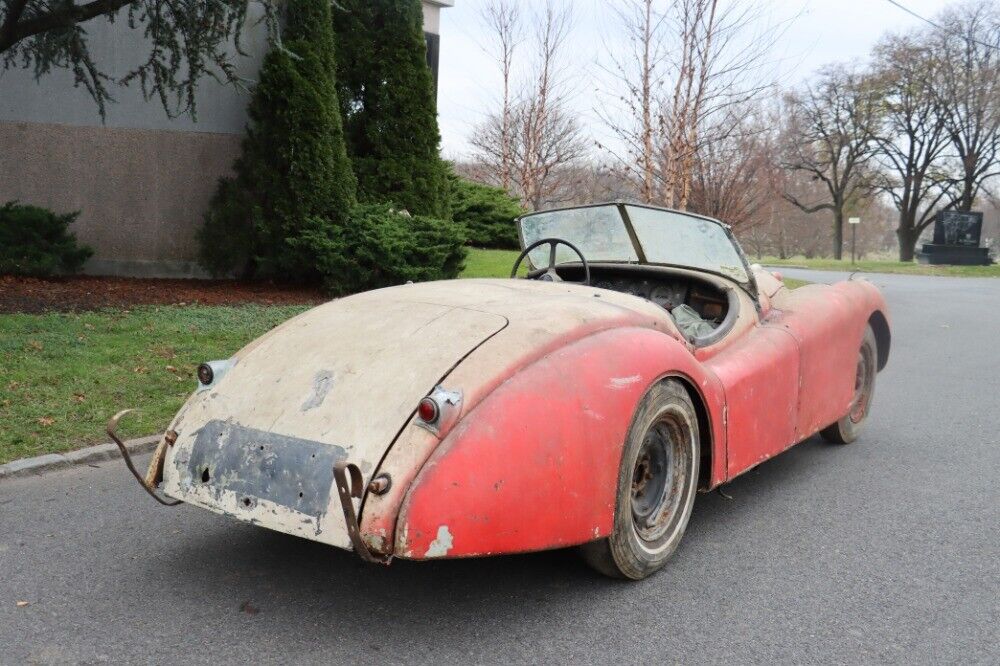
113, 434
349, 488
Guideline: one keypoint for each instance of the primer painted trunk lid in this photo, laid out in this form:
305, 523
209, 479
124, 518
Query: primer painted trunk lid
338, 381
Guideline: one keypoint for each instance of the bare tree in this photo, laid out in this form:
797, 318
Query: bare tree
911, 136
637, 77
832, 142
730, 174
967, 45
503, 19
670, 91
721, 63
542, 136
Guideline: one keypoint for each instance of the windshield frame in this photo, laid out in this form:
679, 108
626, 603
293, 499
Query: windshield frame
750, 286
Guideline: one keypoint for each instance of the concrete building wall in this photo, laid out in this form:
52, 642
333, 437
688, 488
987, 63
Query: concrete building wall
140, 179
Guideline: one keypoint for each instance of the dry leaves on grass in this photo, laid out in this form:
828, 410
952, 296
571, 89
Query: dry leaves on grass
46, 421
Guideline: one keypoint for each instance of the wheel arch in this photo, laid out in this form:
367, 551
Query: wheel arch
705, 439
883, 337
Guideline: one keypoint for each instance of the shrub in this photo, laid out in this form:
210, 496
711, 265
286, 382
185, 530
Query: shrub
488, 214
382, 247
293, 179
226, 239
35, 241
386, 94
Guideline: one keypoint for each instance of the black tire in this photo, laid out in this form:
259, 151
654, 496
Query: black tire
657, 484
847, 429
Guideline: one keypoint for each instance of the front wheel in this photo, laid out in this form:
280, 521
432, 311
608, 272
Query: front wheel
657, 483
847, 429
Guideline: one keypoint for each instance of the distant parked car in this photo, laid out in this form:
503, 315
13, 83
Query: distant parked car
641, 360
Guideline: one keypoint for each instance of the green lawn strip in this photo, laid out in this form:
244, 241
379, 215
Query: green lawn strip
489, 263
911, 268
63, 375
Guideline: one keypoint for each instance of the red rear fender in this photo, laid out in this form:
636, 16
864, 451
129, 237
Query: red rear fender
535, 464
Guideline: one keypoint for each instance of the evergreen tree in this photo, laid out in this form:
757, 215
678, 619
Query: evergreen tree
294, 185
487, 214
387, 100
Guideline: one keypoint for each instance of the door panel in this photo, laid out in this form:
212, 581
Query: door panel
828, 331
760, 374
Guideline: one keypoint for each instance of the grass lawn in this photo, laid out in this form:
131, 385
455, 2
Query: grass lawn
489, 263
62, 375
885, 267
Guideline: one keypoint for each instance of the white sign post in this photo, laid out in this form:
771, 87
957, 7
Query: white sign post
854, 222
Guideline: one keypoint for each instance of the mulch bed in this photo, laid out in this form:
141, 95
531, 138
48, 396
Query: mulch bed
70, 294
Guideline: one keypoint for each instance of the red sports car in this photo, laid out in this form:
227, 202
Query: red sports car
642, 359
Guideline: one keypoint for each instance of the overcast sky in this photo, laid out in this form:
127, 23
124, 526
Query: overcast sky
824, 31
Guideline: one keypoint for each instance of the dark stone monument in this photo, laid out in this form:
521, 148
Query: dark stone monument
956, 240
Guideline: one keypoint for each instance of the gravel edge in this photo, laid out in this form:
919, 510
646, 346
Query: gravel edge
92, 454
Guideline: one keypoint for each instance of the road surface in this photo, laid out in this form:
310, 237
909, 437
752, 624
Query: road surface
886, 551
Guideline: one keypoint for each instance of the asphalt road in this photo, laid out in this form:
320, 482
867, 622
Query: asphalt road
884, 551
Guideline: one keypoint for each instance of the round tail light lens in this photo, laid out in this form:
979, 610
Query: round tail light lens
205, 374
428, 410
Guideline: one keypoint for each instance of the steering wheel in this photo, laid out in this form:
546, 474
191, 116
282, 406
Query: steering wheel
548, 273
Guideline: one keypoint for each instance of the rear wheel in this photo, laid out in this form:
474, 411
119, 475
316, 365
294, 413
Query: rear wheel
847, 429
657, 483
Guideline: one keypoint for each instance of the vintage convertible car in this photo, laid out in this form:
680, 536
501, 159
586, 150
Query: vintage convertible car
641, 360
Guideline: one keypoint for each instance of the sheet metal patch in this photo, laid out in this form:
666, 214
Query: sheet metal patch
256, 464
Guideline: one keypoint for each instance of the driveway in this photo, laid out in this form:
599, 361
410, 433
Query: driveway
883, 551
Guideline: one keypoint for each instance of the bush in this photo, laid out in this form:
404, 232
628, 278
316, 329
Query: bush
226, 239
386, 93
488, 214
382, 247
36, 242
293, 179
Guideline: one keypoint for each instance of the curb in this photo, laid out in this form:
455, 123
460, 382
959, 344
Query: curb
92, 454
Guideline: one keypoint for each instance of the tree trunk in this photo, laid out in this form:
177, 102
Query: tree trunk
838, 234
965, 203
907, 242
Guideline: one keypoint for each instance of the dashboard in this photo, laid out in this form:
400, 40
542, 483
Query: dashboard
667, 291
666, 294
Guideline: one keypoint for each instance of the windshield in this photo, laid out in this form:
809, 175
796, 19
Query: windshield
664, 237
597, 230
684, 240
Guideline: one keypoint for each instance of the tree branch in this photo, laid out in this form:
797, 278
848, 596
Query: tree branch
66, 16
805, 208
10, 20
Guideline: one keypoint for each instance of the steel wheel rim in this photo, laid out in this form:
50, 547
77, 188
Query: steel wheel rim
659, 479
863, 381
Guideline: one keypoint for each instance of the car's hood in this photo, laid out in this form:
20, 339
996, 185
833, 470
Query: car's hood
341, 381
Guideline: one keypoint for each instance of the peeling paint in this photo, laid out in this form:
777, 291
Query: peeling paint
623, 382
442, 544
375, 541
322, 383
